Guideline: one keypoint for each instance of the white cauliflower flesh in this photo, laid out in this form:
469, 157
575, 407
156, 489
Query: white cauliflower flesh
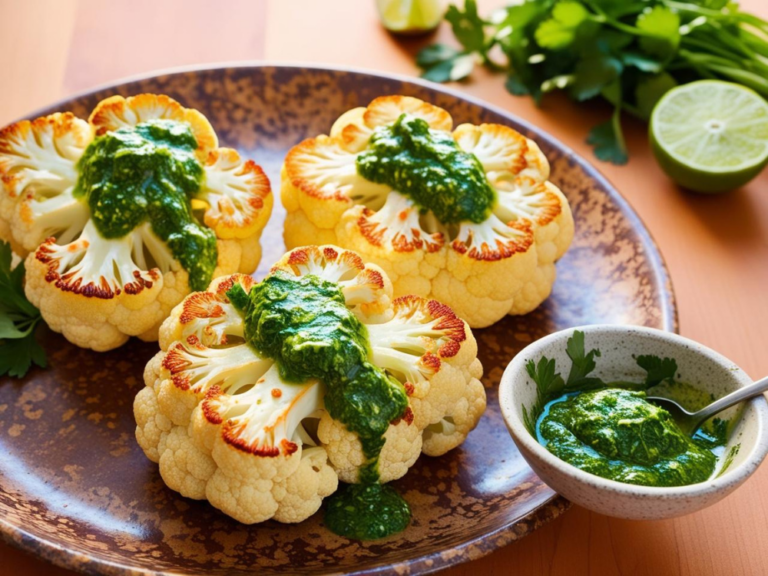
97, 291
224, 426
483, 271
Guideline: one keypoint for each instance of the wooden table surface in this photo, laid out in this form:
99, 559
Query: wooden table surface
716, 247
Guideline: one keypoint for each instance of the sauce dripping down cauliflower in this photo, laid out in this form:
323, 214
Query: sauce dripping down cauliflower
483, 271
224, 426
99, 291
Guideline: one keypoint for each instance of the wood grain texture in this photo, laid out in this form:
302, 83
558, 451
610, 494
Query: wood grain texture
716, 248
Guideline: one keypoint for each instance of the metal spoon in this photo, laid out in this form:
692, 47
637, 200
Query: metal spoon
689, 422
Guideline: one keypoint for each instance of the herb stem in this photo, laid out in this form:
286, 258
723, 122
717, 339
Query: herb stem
758, 44
749, 79
753, 21
616, 122
628, 29
695, 9
706, 45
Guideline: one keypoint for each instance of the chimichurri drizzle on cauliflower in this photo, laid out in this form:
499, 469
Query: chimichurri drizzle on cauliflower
149, 173
465, 215
303, 323
429, 167
264, 396
121, 216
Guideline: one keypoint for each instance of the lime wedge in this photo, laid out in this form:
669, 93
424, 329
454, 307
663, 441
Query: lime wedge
710, 136
410, 16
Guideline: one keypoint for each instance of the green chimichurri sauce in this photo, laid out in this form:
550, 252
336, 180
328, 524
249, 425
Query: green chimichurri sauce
149, 173
618, 435
367, 512
304, 324
428, 166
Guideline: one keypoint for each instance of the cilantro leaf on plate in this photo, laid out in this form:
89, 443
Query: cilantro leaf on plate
17, 355
18, 320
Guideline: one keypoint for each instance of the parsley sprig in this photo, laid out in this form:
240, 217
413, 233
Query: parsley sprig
629, 52
18, 320
551, 385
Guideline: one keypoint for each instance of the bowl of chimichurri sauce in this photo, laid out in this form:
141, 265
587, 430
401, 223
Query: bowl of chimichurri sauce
575, 404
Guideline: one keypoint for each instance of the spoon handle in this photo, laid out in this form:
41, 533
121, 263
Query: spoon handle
735, 397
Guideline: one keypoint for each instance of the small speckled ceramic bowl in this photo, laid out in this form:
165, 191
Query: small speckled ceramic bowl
697, 365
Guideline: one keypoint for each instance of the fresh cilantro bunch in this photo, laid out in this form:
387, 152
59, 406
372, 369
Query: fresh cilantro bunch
18, 320
629, 52
550, 384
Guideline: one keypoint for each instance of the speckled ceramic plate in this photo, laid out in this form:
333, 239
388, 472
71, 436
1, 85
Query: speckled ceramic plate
76, 489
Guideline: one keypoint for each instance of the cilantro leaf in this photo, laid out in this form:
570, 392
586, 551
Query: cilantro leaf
547, 380
462, 67
612, 93
18, 320
609, 41
583, 363
516, 86
593, 74
9, 330
440, 72
658, 369
467, 26
641, 61
529, 420
434, 54
12, 298
662, 29
521, 15
454, 69
17, 355
608, 141
650, 90
549, 384
559, 31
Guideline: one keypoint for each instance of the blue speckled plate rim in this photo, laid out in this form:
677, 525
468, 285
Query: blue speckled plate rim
66, 558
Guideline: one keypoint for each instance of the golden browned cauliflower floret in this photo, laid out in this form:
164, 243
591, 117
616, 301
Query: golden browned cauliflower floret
504, 264
225, 426
96, 290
